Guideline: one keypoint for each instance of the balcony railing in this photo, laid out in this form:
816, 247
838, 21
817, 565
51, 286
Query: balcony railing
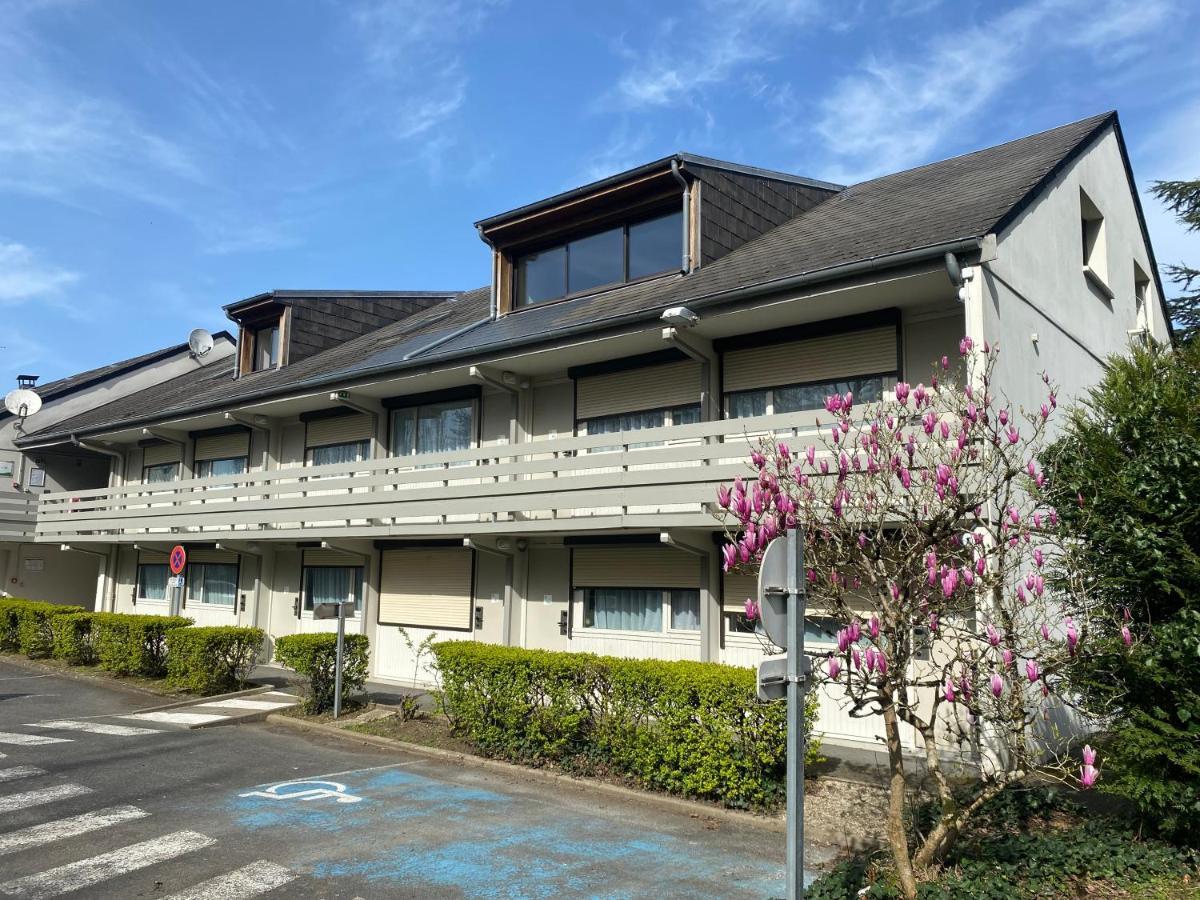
602, 481
18, 514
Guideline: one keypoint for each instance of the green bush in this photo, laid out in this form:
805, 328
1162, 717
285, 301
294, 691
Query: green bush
314, 656
133, 644
25, 625
74, 638
211, 660
689, 728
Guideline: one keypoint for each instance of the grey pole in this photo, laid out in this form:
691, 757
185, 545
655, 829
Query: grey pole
795, 714
337, 665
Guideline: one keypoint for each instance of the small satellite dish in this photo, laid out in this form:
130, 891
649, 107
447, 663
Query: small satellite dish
22, 402
200, 342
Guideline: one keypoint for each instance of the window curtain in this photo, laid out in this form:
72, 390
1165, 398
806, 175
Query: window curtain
333, 584
812, 396
625, 609
747, 403
339, 453
213, 583
213, 468
160, 473
685, 610
152, 582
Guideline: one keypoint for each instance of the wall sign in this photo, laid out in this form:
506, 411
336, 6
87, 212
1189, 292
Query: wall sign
6, 468
35, 565
37, 477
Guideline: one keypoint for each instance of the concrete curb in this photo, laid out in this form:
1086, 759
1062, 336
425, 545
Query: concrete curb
774, 825
198, 701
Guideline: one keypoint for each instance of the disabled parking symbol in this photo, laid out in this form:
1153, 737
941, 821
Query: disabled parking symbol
306, 790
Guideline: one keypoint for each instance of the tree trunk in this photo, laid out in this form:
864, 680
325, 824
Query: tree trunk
897, 787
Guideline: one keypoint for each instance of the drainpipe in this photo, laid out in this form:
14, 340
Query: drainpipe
710, 620
493, 304
506, 608
105, 567
115, 473
343, 397
254, 425
510, 384
687, 218
701, 350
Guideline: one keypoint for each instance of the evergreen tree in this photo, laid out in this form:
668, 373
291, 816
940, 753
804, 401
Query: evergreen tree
1183, 199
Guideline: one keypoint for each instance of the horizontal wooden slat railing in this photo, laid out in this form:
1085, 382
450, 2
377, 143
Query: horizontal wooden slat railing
594, 482
18, 514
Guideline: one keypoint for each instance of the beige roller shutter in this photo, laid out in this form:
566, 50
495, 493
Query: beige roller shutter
158, 454
428, 588
736, 588
331, 558
634, 567
339, 430
223, 446
828, 358
224, 557
650, 387
149, 558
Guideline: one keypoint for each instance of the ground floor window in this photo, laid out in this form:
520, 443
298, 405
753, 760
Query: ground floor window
641, 609
333, 584
213, 584
774, 401
819, 631
152, 581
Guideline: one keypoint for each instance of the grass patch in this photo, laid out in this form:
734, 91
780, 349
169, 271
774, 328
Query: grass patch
429, 731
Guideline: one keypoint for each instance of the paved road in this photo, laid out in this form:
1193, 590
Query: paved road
99, 806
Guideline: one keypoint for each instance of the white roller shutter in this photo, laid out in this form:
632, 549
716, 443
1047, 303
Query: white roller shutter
868, 352
339, 430
223, 446
634, 567
736, 588
159, 454
649, 387
331, 558
428, 587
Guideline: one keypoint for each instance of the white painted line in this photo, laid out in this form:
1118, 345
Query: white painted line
72, 826
177, 718
20, 772
94, 727
240, 884
21, 677
29, 740
87, 872
27, 799
239, 703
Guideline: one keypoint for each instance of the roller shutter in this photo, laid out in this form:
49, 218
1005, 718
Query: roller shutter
331, 558
736, 588
339, 430
150, 558
634, 567
428, 587
649, 387
159, 454
222, 557
869, 352
223, 446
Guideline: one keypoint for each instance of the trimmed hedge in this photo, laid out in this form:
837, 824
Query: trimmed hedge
689, 728
315, 655
25, 625
133, 644
211, 660
75, 638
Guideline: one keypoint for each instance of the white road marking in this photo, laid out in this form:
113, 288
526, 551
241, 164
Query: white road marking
243, 703
27, 799
177, 718
240, 884
20, 772
87, 872
21, 677
72, 826
29, 740
94, 727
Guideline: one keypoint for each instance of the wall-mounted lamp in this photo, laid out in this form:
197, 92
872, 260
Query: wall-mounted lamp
680, 317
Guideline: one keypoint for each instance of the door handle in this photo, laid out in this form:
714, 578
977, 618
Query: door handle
296, 608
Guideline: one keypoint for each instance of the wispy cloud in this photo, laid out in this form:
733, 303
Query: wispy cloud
893, 111
24, 277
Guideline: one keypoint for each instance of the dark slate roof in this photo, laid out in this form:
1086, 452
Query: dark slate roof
930, 206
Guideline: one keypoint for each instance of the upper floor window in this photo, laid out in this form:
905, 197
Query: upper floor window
624, 253
212, 468
1095, 252
774, 401
433, 428
159, 473
331, 454
266, 347
636, 421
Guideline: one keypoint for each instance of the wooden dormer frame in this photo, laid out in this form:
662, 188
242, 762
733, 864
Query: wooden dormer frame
251, 323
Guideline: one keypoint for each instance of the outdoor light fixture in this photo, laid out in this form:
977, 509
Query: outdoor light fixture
680, 317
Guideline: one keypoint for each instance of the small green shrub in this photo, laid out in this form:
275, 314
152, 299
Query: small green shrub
315, 655
211, 660
25, 625
133, 644
74, 638
690, 728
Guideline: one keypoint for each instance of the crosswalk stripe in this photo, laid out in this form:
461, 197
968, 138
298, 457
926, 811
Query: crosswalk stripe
72, 826
177, 718
240, 884
20, 772
244, 703
26, 799
95, 727
86, 872
30, 740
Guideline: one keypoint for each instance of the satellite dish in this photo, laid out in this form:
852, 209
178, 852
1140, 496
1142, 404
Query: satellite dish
200, 342
22, 402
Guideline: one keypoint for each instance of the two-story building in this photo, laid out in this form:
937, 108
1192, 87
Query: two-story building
535, 462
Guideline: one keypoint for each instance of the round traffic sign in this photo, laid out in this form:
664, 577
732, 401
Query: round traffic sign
178, 559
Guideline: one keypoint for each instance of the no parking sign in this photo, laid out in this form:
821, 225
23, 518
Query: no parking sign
178, 559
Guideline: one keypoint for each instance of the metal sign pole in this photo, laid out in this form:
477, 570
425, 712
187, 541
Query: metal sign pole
795, 714
337, 666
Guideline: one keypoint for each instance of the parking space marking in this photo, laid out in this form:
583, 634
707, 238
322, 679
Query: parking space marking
26, 799
20, 772
93, 870
72, 826
240, 884
29, 740
95, 727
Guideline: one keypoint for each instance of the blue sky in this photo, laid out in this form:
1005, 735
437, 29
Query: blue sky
160, 159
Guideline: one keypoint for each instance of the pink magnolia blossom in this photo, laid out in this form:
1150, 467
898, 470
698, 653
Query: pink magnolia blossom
1072, 636
834, 667
1087, 776
1089, 755
1045, 632
810, 453
870, 658
729, 552
1007, 655
854, 629
1003, 417
997, 685
785, 452
855, 659
1032, 671
948, 690
1126, 636
751, 610
843, 640
723, 497
757, 459
902, 393
950, 582
993, 635
873, 626
881, 663
965, 346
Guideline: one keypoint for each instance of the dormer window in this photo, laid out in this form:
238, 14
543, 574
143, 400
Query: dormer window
266, 347
634, 250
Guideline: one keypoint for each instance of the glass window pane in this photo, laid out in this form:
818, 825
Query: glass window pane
152, 582
542, 276
656, 245
338, 453
403, 432
266, 347
333, 584
596, 260
748, 403
685, 415
160, 473
685, 610
212, 468
812, 396
212, 583
623, 609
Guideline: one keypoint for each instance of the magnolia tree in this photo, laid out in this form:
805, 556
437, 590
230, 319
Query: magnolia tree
926, 540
